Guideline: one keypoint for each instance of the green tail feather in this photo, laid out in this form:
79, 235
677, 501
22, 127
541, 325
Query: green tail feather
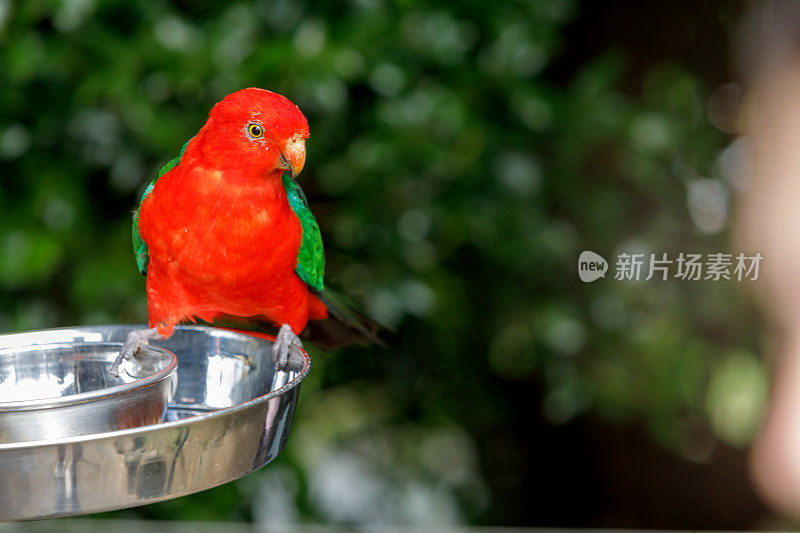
345, 311
346, 325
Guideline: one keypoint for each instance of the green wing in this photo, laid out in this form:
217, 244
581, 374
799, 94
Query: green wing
139, 246
311, 257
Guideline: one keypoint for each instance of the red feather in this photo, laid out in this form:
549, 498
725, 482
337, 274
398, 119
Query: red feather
221, 235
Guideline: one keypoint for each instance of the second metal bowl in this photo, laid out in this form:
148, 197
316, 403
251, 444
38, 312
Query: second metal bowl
65, 389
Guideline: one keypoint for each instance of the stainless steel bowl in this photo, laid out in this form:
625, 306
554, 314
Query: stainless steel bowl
231, 414
56, 390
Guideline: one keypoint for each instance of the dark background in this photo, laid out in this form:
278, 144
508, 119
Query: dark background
462, 155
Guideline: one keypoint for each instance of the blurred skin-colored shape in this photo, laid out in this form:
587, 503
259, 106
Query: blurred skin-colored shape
769, 222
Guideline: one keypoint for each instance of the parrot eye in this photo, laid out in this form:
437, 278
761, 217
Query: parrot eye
255, 130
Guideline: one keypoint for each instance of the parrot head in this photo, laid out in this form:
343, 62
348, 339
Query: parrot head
260, 130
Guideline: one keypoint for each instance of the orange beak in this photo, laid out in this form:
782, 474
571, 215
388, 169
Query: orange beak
293, 156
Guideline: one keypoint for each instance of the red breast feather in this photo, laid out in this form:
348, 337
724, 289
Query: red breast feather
221, 235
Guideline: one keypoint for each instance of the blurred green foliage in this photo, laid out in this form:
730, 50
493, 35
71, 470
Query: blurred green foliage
455, 183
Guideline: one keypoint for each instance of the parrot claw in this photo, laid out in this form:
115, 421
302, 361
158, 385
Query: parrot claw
135, 340
285, 342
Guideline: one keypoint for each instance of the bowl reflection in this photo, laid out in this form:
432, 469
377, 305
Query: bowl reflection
65, 389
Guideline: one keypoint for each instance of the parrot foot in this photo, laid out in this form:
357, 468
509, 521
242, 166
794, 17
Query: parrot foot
285, 341
135, 340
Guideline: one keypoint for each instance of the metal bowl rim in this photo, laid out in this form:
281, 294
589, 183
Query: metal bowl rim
161, 425
94, 395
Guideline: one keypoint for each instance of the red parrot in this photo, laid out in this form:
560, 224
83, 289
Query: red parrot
224, 232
